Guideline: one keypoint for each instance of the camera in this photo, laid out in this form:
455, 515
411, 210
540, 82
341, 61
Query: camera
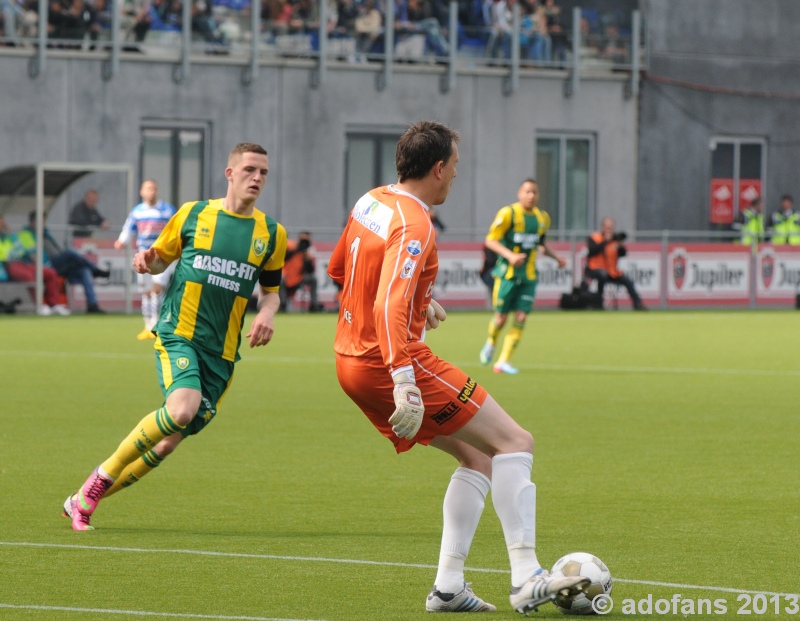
620, 237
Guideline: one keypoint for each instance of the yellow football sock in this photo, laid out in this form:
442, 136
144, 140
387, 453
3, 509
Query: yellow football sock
134, 472
510, 342
494, 332
150, 431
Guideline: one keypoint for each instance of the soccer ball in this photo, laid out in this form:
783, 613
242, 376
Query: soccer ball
582, 564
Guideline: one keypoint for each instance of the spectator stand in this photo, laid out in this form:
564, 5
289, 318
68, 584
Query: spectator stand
572, 36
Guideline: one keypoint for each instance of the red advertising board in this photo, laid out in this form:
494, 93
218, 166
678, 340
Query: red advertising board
700, 275
748, 190
777, 274
708, 274
721, 201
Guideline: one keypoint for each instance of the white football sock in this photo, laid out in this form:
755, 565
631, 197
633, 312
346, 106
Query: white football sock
463, 505
156, 300
514, 498
147, 310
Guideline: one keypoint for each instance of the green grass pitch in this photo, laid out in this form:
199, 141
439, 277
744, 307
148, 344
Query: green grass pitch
666, 444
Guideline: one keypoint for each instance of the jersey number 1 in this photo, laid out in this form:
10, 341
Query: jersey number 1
354, 252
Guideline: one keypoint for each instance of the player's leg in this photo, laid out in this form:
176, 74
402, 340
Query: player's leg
136, 470
156, 300
188, 403
521, 303
510, 342
145, 464
450, 398
500, 304
171, 418
180, 408
144, 282
179, 368
499, 436
462, 508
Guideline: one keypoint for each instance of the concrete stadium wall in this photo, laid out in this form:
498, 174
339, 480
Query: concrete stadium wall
69, 113
741, 59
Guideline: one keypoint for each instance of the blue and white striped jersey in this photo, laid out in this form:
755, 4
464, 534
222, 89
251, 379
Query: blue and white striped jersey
146, 223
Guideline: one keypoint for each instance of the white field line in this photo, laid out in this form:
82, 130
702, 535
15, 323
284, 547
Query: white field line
319, 559
580, 368
143, 613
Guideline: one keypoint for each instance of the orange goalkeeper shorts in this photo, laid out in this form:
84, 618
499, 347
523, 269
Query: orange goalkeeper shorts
450, 397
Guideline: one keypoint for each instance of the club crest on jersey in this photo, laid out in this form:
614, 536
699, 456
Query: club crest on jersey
414, 248
407, 270
259, 246
182, 363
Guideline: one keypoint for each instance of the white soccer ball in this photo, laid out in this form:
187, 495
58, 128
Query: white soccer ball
588, 565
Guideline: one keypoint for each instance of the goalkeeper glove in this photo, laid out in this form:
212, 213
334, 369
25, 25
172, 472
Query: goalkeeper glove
435, 315
407, 417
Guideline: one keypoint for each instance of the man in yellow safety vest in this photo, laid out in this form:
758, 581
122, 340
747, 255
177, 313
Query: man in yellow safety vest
785, 223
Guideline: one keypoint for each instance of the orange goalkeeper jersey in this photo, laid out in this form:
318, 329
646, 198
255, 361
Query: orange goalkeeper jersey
386, 260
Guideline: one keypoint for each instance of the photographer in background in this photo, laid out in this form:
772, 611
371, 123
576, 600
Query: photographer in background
299, 270
605, 249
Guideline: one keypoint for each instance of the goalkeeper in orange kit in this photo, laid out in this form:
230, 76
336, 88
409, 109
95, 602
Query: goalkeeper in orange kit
386, 262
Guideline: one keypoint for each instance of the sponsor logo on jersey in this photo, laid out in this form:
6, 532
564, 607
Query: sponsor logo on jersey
204, 232
182, 363
210, 411
407, 270
467, 391
414, 248
226, 267
207, 404
446, 413
373, 215
527, 241
259, 246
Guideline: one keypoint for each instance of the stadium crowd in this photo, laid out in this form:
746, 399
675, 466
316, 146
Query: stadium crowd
355, 28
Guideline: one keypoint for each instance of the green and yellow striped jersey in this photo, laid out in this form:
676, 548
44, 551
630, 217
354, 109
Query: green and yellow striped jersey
220, 257
519, 231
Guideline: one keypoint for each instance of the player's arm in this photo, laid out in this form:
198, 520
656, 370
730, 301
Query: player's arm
391, 310
400, 272
263, 326
514, 258
500, 226
337, 260
549, 252
148, 261
269, 280
167, 248
434, 315
126, 234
